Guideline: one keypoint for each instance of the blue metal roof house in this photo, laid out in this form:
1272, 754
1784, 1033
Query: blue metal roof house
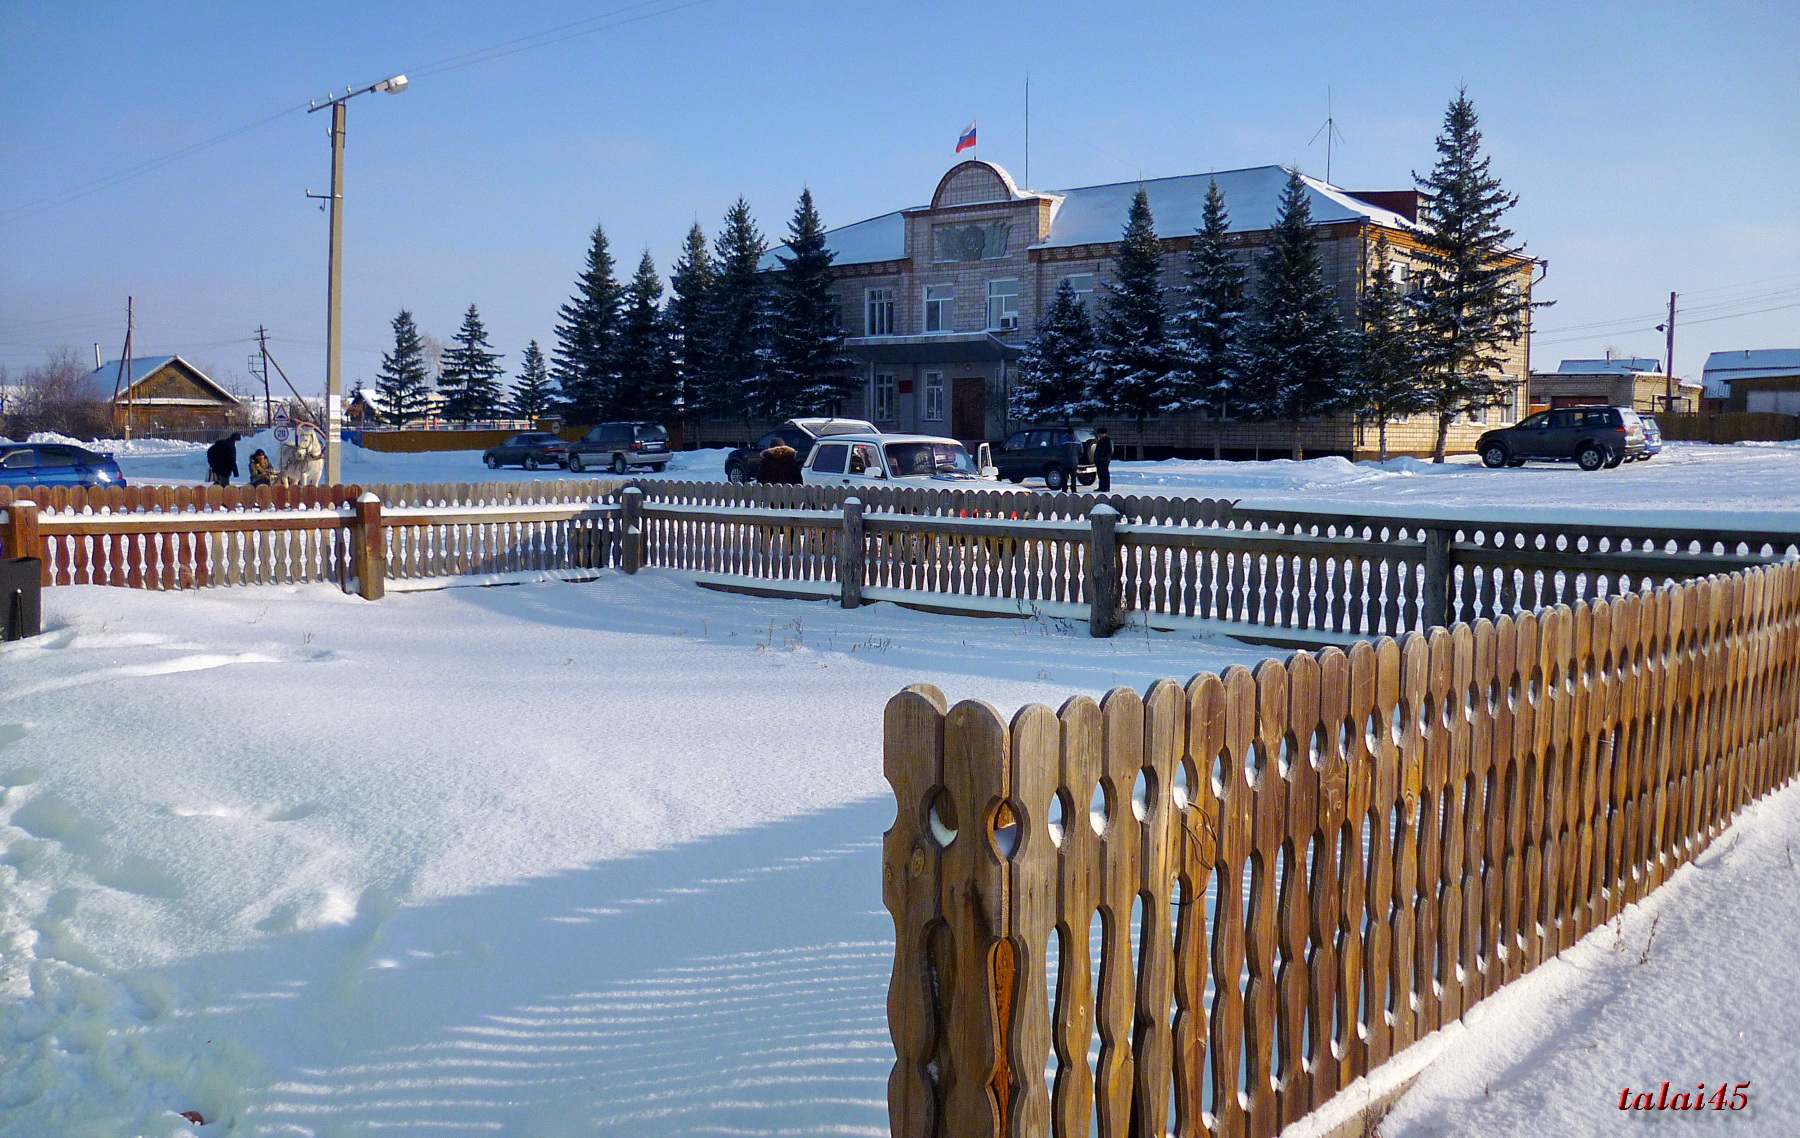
161, 393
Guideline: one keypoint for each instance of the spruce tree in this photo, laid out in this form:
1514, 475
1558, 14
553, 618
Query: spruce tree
535, 393
1295, 347
401, 382
1472, 304
587, 338
471, 373
646, 384
1132, 373
737, 355
1056, 371
1209, 307
688, 314
808, 369
1389, 373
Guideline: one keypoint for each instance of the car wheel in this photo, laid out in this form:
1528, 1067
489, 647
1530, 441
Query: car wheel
734, 474
575, 464
1055, 478
1590, 457
1615, 460
1515, 462
618, 464
657, 467
1015, 479
492, 462
531, 462
1493, 456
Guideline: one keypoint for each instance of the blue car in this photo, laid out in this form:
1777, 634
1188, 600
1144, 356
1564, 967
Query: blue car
1652, 439
56, 464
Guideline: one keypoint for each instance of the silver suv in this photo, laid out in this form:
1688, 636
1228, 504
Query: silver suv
619, 447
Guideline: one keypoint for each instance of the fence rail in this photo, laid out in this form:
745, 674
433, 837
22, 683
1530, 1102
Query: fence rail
1206, 909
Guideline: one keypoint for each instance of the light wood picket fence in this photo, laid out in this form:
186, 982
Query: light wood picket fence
1297, 872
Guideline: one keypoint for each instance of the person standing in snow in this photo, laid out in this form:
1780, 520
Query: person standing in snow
780, 466
221, 460
1103, 459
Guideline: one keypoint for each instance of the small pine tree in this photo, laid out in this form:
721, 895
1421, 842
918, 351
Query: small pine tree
471, 373
587, 339
1056, 371
1389, 371
808, 368
401, 382
1204, 327
737, 353
646, 384
535, 393
691, 286
1473, 303
1294, 342
1132, 374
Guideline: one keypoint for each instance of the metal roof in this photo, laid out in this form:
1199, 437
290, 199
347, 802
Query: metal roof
98, 385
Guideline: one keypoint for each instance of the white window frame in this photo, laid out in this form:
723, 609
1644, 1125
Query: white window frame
884, 400
1003, 307
1083, 296
940, 310
878, 312
934, 397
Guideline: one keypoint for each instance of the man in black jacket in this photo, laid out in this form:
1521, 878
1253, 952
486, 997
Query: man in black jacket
1103, 459
221, 460
780, 466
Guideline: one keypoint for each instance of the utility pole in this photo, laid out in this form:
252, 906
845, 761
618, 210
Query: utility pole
262, 351
1669, 360
124, 378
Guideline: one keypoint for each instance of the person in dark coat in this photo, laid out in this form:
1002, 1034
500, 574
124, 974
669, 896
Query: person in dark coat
221, 460
262, 471
1103, 459
780, 466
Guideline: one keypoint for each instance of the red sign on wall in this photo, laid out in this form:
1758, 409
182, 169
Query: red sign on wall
906, 387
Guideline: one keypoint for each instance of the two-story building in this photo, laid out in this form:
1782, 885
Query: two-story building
939, 300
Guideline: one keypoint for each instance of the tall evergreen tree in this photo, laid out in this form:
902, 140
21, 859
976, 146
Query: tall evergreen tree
471, 373
1132, 374
1204, 327
1056, 371
1473, 302
587, 338
737, 354
808, 368
401, 383
646, 384
688, 314
535, 393
1295, 347
1389, 372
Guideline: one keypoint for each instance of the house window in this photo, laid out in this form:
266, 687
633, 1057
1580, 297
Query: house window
1082, 284
879, 320
881, 399
934, 397
938, 299
1003, 304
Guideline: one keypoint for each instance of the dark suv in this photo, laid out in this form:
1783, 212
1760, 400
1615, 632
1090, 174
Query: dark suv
1592, 436
619, 447
1055, 454
531, 450
741, 464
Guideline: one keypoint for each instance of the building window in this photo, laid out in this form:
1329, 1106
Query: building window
934, 397
879, 320
938, 299
1082, 285
881, 399
1003, 304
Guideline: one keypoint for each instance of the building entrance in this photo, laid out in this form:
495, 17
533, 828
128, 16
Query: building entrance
968, 408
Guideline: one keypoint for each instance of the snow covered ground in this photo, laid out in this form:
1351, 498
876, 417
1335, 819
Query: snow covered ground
1688, 484
544, 860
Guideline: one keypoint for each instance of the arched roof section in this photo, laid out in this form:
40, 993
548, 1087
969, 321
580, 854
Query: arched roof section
974, 182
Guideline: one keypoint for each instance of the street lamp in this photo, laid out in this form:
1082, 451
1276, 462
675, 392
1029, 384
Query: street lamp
334, 380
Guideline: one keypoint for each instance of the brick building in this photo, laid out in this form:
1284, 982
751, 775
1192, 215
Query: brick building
1627, 381
940, 300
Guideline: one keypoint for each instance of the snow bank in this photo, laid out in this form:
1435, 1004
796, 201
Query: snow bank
123, 448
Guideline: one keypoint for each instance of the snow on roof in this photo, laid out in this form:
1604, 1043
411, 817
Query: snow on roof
1749, 363
99, 384
1091, 215
1623, 365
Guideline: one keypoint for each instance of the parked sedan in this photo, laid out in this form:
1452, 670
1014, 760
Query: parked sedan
1652, 440
56, 464
1592, 436
530, 449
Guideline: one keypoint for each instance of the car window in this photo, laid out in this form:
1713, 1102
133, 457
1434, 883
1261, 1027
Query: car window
830, 459
767, 441
1562, 419
651, 433
594, 435
865, 460
1016, 441
1536, 422
17, 460
55, 456
1600, 418
1632, 418
929, 458
796, 438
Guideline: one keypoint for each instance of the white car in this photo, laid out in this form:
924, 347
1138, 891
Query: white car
919, 460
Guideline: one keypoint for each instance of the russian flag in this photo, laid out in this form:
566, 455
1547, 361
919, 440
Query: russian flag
966, 140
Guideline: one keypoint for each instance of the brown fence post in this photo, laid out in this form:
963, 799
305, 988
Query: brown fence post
22, 538
850, 554
1434, 600
1103, 571
631, 533
369, 547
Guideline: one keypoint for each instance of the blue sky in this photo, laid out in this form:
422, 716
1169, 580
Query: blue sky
1653, 146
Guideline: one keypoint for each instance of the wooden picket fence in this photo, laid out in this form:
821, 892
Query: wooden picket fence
1289, 875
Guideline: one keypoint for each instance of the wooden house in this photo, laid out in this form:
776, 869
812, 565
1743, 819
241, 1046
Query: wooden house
162, 394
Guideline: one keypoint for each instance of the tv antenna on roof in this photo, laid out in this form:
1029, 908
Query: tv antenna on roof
1330, 131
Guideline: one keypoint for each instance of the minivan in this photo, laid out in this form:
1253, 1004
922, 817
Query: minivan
619, 447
